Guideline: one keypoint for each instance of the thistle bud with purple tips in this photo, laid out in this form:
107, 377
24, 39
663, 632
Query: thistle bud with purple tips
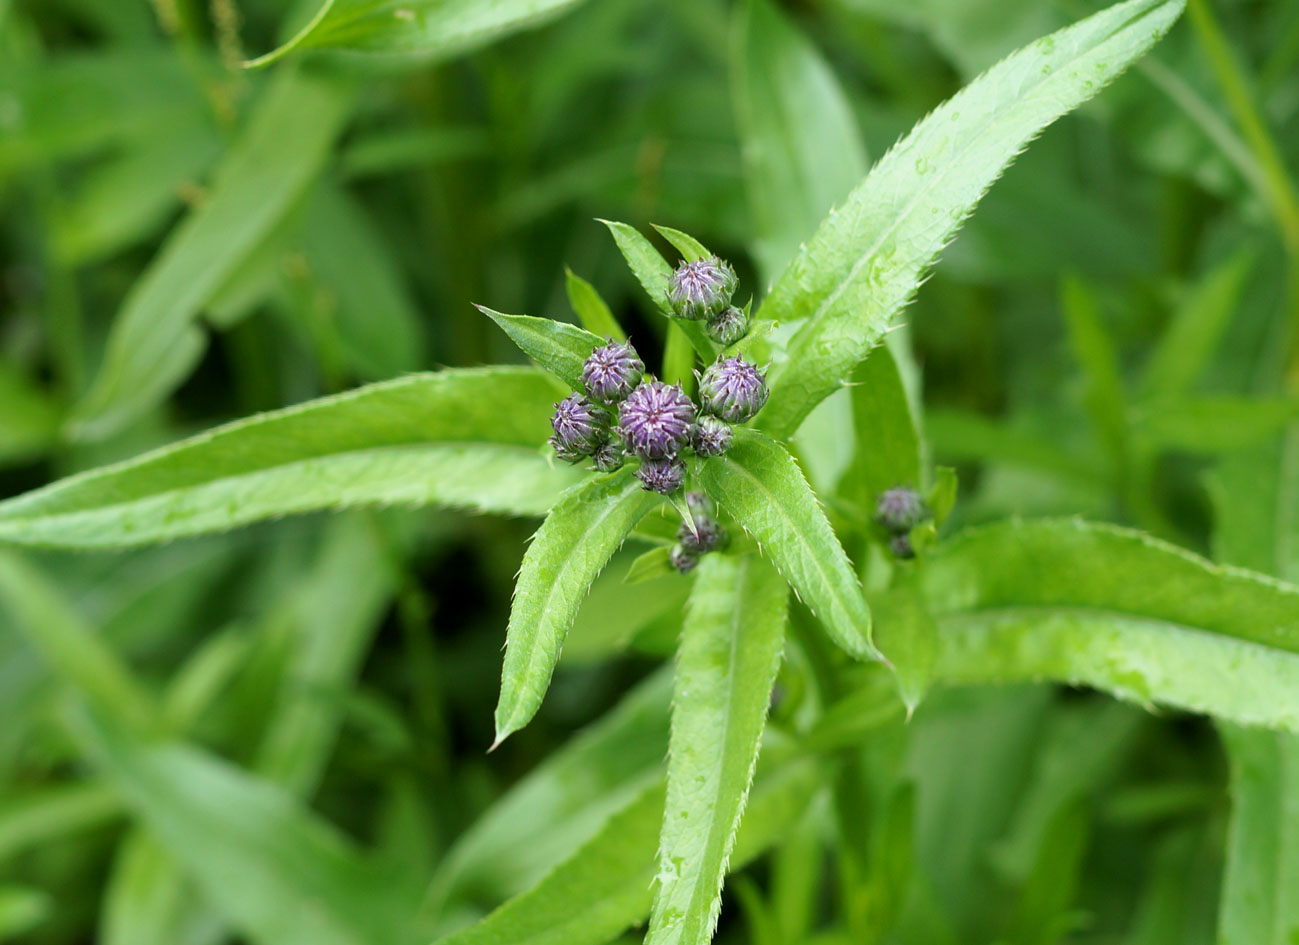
610, 456
900, 509
711, 437
612, 372
702, 288
732, 389
655, 420
706, 536
580, 427
664, 476
728, 326
681, 559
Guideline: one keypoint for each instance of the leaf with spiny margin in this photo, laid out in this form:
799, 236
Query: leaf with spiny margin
758, 483
558, 347
464, 438
590, 308
866, 259
653, 272
1111, 608
154, 342
726, 665
605, 888
689, 247
425, 31
574, 543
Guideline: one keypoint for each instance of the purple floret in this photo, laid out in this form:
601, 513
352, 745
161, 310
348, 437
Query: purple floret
664, 476
655, 420
580, 427
701, 288
612, 372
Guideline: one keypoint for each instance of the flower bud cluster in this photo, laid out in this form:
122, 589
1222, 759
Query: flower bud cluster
583, 425
702, 290
699, 536
899, 510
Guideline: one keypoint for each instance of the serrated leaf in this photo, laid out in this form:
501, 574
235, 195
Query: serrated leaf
726, 665
1111, 608
558, 347
590, 308
758, 483
800, 148
689, 247
574, 543
154, 343
652, 271
461, 438
604, 888
424, 30
866, 259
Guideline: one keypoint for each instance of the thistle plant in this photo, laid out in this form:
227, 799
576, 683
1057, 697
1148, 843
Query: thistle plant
756, 512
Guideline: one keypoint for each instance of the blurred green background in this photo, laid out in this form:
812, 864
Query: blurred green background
333, 217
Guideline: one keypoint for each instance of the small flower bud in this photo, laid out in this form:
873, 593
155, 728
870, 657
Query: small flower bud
566, 454
900, 509
580, 426
682, 560
709, 536
611, 372
698, 503
655, 420
609, 456
701, 288
732, 389
728, 326
665, 475
711, 437
900, 545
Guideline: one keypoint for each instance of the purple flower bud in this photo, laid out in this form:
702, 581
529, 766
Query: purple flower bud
698, 503
701, 288
732, 389
708, 536
662, 475
566, 454
610, 456
900, 509
655, 420
728, 326
682, 559
612, 372
900, 545
579, 426
711, 437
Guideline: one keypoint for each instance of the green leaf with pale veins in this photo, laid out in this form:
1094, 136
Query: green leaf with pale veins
154, 341
864, 262
558, 347
459, 438
1115, 609
758, 483
423, 30
726, 665
567, 553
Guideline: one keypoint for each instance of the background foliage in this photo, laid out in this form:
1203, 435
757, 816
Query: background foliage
277, 734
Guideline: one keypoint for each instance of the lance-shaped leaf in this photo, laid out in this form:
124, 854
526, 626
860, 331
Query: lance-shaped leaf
573, 544
726, 665
866, 259
559, 347
1115, 609
605, 887
758, 483
591, 308
461, 438
154, 342
424, 30
886, 446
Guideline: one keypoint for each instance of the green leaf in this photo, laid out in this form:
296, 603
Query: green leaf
1213, 424
655, 563
153, 342
942, 494
573, 544
726, 665
906, 633
689, 247
424, 30
800, 148
1094, 349
461, 438
605, 887
758, 483
590, 308
653, 272
29, 420
866, 259
22, 910
558, 347
886, 447
1114, 609
36, 819
283, 877
678, 359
